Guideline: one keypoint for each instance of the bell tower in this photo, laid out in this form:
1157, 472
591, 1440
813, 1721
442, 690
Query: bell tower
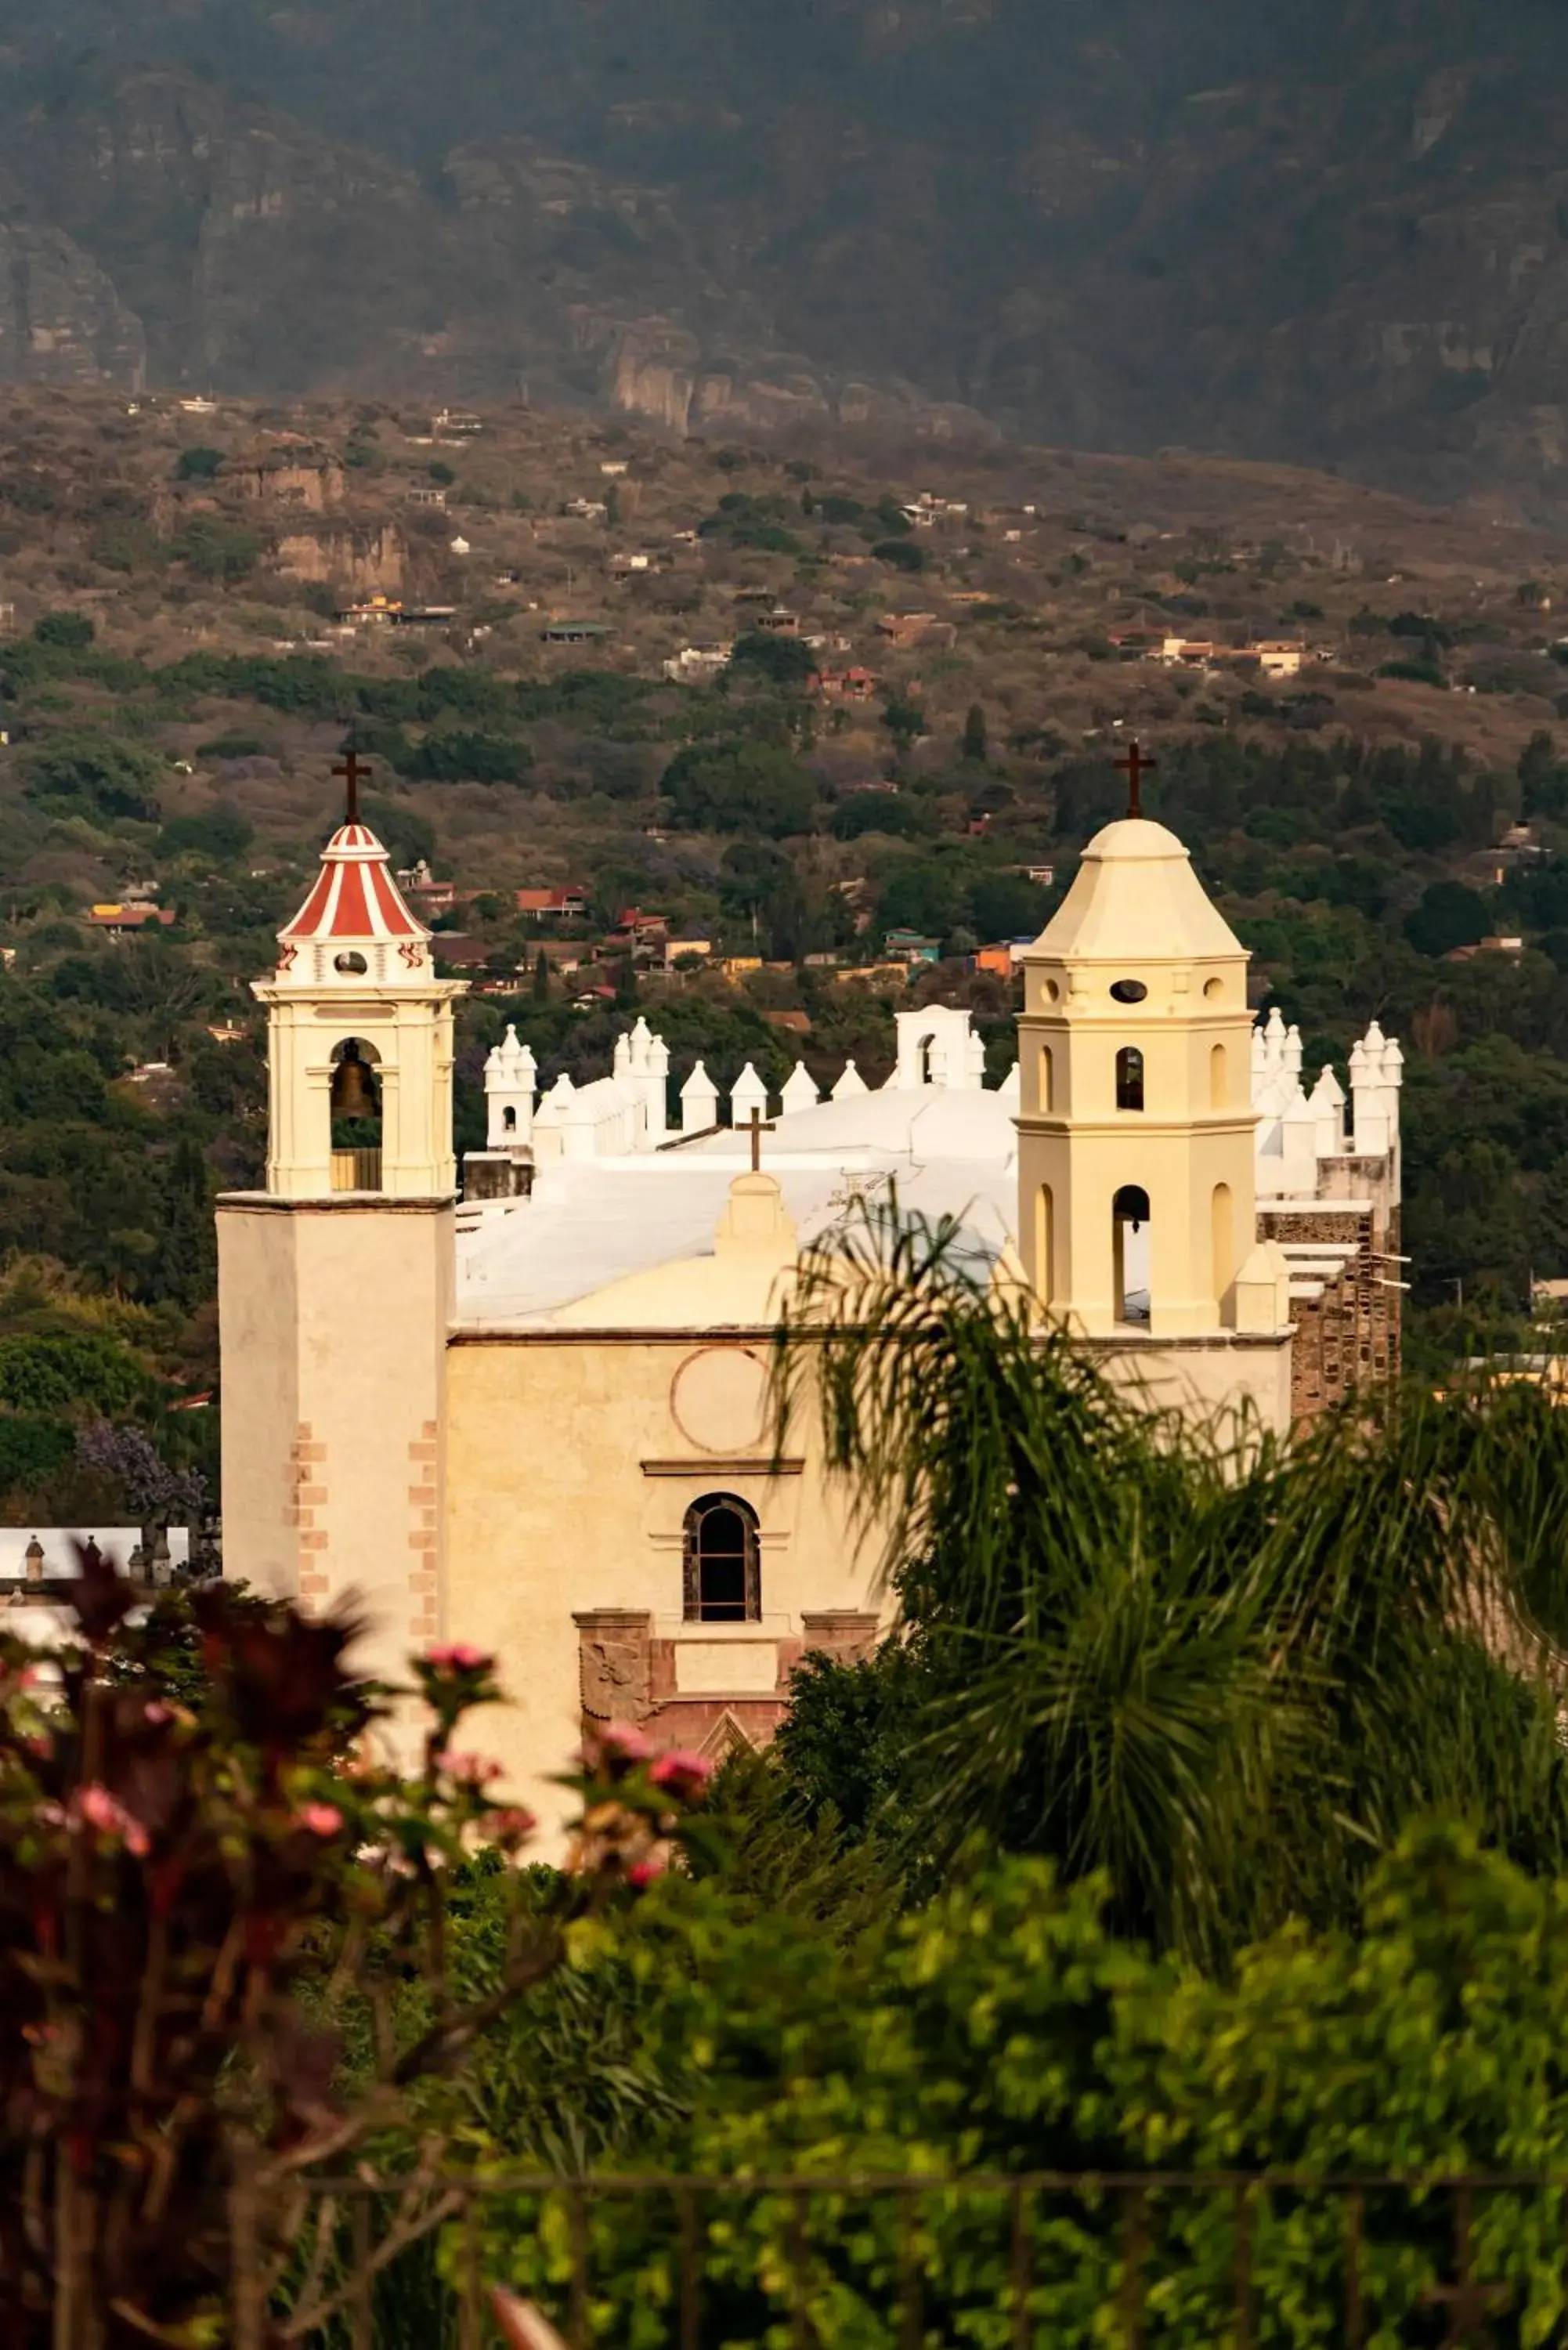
335, 1282
1137, 1217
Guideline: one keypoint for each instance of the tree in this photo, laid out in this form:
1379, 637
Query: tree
975, 744
784, 660
113, 778
738, 786
541, 977
899, 555
68, 632
1224, 1674
198, 464
1451, 914
185, 1269
214, 548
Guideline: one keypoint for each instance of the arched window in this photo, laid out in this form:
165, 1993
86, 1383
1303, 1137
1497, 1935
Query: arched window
723, 1580
1047, 1079
1130, 1253
924, 1049
356, 1113
509, 1120
1223, 1228
1044, 1246
1129, 1078
1219, 1079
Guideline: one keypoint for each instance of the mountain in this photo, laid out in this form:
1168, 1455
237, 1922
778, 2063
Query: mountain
1334, 231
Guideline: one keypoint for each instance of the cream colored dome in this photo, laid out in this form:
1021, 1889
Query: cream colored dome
1136, 899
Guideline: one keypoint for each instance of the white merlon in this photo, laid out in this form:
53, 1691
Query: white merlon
699, 1102
1328, 1109
800, 1090
747, 1094
850, 1083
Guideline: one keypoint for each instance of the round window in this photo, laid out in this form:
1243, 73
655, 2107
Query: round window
1128, 990
1052, 991
352, 960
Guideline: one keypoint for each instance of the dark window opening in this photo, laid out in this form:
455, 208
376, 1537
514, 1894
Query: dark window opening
1128, 990
723, 1562
1129, 1078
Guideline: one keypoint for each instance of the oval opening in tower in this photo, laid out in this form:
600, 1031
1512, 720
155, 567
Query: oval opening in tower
1128, 990
1213, 988
351, 962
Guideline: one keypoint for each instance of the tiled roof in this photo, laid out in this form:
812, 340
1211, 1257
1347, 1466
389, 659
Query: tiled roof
354, 895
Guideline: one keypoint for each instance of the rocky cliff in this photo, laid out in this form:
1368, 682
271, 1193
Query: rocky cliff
1325, 231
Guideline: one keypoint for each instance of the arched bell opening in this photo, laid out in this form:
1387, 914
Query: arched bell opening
356, 1115
924, 1049
1222, 1222
1130, 1254
1129, 1078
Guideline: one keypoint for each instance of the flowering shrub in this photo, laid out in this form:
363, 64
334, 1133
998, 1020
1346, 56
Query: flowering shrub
197, 1892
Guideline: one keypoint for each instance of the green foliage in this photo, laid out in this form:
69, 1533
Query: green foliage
71, 1376
1003, 2029
899, 555
1225, 1674
1450, 915
198, 464
64, 632
741, 786
109, 778
33, 1449
218, 833
214, 548
976, 736
782, 660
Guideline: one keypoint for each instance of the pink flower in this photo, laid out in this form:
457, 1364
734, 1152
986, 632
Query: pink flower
108, 1816
513, 1823
643, 1872
625, 1743
459, 1657
320, 1819
159, 1712
471, 1770
681, 1771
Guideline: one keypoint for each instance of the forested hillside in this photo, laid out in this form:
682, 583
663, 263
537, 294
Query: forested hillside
1314, 233
808, 734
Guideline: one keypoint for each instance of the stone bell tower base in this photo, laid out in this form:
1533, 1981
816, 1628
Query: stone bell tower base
334, 1316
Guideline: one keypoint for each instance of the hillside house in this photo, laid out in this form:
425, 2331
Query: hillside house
574, 632
623, 566
1278, 656
909, 947
674, 948
458, 422
121, 921
844, 685
426, 497
917, 629
694, 662
587, 509
778, 622
1188, 652
566, 905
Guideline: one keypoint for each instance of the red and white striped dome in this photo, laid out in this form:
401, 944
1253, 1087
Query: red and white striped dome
354, 895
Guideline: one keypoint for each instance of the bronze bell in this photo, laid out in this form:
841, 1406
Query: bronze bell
353, 1086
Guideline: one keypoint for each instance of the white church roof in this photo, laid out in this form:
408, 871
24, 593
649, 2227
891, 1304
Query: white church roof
594, 1223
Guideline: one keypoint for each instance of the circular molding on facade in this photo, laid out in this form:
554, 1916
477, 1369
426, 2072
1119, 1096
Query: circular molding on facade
719, 1400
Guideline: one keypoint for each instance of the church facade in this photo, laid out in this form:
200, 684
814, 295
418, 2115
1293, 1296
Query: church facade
535, 1417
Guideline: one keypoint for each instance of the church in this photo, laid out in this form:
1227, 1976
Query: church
533, 1415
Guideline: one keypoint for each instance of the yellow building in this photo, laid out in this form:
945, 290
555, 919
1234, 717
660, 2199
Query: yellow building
536, 1418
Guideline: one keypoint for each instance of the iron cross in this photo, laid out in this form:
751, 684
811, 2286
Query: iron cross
760, 1126
351, 770
1134, 766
